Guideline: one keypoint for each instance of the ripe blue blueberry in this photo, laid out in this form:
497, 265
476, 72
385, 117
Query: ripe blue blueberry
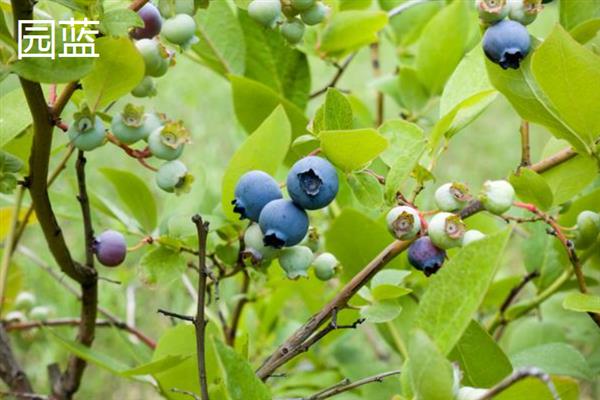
173, 176
295, 261
446, 230
506, 43
110, 248
425, 256
87, 132
180, 30
265, 12
312, 183
315, 14
292, 30
283, 223
497, 196
253, 191
167, 142
404, 222
152, 22
326, 266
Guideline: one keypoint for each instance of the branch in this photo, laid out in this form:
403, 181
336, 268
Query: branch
517, 289
237, 311
340, 71
10, 370
554, 160
376, 74
8, 243
525, 145
347, 385
22, 395
518, 376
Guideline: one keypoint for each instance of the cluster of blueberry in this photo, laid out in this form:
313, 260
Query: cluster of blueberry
445, 230
269, 13
506, 42
312, 183
24, 308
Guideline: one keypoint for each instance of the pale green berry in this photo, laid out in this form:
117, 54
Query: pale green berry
292, 30
180, 30
524, 11
146, 88
25, 301
491, 11
446, 230
315, 14
87, 132
133, 124
588, 227
265, 12
302, 5
173, 176
253, 239
326, 265
497, 196
403, 222
40, 313
16, 316
295, 261
167, 142
451, 196
472, 235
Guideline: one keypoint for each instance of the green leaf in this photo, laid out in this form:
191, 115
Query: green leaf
389, 277
242, 383
586, 31
532, 188
386, 292
569, 75
574, 13
15, 115
350, 30
222, 46
589, 201
273, 62
136, 196
413, 95
156, 366
352, 230
582, 302
533, 388
9, 163
556, 359
407, 144
482, 361
163, 264
381, 311
265, 149
431, 374
442, 45
407, 26
366, 188
352, 150
254, 102
116, 72
334, 114
456, 291
118, 22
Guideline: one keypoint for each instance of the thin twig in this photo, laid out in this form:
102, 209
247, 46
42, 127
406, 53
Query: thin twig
340, 71
525, 144
237, 311
375, 65
10, 370
186, 392
347, 385
28, 396
518, 376
403, 7
517, 289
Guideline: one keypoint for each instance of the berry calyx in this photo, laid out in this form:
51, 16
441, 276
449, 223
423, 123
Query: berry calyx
173, 177
253, 191
283, 223
312, 183
292, 30
128, 125
452, 196
425, 256
110, 248
326, 266
472, 235
152, 22
180, 30
87, 131
491, 11
315, 14
507, 43
167, 142
446, 230
295, 261
404, 222
265, 12
497, 196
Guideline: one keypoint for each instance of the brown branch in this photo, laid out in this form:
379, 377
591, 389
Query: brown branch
340, 71
554, 160
517, 289
28, 396
346, 385
237, 311
518, 376
525, 144
10, 370
377, 74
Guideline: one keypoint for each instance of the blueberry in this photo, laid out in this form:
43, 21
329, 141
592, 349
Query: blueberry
180, 30
110, 248
146, 88
471, 236
312, 183
524, 11
167, 142
425, 256
506, 43
133, 124
152, 22
173, 176
315, 14
302, 5
155, 56
283, 223
497, 196
253, 191
40, 313
24, 301
295, 261
404, 222
15, 316
292, 30
265, 12
446, 230
326, 266
253, 240
87, 132
451, 196
588, 227
491, 11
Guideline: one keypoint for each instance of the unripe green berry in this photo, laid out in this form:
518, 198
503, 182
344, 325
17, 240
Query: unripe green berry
167, 142
87, 132
403, 222
16, 316
451, 196
146, 88
253, 239
302, 5
315, 14
265, 12
472, 235
292, 30
155, 55
180, 30
446, 230
173, 176
40, 313
295, 261
588, 227
24, 301
132, 124
491, 11
524, 11
497, 196
326, 265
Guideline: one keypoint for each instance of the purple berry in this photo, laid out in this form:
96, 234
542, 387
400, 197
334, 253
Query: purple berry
152, 22
110, 248
253, 191
424, 256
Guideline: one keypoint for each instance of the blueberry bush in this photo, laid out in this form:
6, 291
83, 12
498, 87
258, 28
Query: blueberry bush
302, 199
